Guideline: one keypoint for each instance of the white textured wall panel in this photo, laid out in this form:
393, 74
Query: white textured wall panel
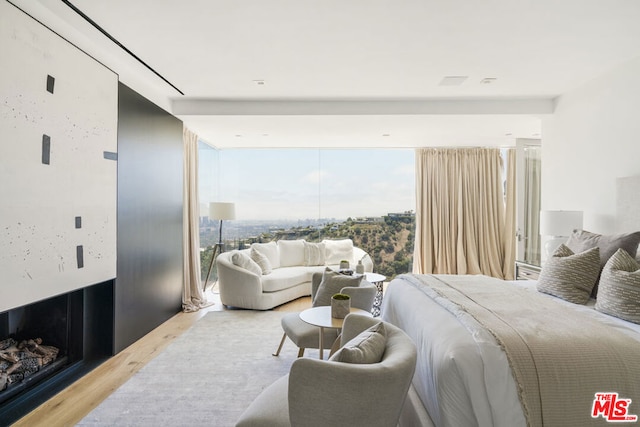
57, 205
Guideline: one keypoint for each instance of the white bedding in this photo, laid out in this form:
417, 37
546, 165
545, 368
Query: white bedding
462, 376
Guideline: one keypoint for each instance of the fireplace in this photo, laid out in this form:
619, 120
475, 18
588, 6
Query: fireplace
78, 324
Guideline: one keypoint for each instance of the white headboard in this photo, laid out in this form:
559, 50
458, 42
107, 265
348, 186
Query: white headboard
628, 204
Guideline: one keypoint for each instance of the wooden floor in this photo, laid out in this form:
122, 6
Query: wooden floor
73, 403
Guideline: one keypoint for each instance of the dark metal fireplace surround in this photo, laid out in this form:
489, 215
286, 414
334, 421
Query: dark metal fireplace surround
79, 324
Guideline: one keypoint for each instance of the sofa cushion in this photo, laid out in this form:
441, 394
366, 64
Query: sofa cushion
270, 250
261, 260
243, 260
291, 252
331, 284
366, 347
284, 278
337, 250
314, 254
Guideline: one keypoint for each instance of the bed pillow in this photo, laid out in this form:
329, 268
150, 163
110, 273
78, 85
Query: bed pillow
291, 252
270, 250
366, 347
581, 240
243, 260
314, 253
570, 276
261, 260
619, 293
337, 250
331, 284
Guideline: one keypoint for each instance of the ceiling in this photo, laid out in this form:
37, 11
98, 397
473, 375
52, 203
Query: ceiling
354, 73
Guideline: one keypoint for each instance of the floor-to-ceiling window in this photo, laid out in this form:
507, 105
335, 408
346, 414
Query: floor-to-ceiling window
313, 194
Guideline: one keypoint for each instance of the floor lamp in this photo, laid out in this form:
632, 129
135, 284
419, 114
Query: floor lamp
219, 211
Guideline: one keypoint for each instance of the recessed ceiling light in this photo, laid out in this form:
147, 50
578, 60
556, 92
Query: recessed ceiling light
452, 80
535, 134
488, 80
265, 134
238, 136
386, 134
508, 134
259, 82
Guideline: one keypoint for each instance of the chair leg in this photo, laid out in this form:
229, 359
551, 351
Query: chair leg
300, 352
277, 353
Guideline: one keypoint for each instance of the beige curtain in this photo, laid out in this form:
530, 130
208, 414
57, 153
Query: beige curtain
192, 295
460, 212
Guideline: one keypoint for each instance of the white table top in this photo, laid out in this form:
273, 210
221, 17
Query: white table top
321, 316
374, 277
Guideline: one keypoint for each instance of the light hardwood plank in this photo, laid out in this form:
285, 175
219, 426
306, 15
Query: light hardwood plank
73, 403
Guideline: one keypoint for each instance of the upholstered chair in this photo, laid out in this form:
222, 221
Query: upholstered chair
337, 392
305, 335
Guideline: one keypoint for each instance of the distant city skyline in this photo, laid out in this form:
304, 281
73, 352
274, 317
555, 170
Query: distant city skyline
292, 184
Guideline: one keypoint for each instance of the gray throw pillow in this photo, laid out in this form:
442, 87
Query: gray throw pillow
619, 293
331, 284
581, 240
570, 276
366, 347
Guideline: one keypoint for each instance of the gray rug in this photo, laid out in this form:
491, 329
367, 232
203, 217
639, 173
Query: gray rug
207, 376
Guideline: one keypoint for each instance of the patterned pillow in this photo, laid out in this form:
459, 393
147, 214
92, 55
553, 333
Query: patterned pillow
619, 293
331, 284
243, 260
570, 276
366, 347
313, 253
262, 261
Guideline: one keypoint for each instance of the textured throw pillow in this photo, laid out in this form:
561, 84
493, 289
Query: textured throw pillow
243, 260
337, 250
261, 260
331, 284
581, 240
619, 293
366, 347
314, 253
291, 252
570, 276
270, 250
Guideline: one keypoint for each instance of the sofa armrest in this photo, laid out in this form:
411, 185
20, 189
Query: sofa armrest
238, 287
360, 254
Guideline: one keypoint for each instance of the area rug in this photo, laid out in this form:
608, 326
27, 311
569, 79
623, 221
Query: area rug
207, 376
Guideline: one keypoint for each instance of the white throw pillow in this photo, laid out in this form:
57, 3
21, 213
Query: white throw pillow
337, 250
366, 347
261, 260
243, 260
291, 252
314, 253
270, 250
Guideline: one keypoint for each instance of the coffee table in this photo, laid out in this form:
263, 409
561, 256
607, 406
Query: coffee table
321, 317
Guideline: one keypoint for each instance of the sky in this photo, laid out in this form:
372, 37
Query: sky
268, 184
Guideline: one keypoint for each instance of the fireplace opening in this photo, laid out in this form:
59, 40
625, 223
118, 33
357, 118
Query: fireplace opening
79, 324
37, 341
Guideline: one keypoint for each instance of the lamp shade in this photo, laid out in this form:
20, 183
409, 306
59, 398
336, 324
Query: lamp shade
222, 210
559, 223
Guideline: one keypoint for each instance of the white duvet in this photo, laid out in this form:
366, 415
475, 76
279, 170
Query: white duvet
462, 376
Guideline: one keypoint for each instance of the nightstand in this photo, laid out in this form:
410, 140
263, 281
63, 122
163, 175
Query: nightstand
526, 271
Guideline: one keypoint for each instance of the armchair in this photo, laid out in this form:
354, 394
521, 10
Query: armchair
305, 335
331, 393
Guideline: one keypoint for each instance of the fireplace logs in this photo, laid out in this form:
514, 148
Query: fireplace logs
20, 360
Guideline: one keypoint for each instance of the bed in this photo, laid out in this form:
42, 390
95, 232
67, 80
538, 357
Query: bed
463, 376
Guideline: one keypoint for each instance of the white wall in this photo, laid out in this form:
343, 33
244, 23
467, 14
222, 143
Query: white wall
592, 138
44, 249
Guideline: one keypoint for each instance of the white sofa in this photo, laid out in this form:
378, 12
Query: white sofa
271, 274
